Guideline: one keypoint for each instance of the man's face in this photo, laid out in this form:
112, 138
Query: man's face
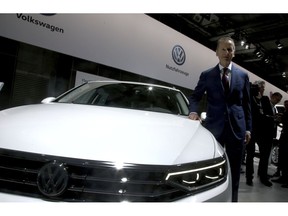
262, 89
286, 105
225, 52
275, 100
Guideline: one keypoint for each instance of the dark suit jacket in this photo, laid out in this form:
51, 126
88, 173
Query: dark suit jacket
269, 127
257, 116
235, 107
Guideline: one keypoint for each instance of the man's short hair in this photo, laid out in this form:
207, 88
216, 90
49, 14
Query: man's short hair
225, 39
277, 94
260, 83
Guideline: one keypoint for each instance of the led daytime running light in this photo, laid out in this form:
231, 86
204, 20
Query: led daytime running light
194, 170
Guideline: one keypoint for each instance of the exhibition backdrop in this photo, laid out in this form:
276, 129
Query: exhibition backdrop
132, 42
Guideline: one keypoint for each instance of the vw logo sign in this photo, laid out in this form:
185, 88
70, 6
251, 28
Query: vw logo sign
178, 55
52, 179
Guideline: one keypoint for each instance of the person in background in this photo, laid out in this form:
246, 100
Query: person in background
1, 85
268, 129
283, 150
257, 91
228, 106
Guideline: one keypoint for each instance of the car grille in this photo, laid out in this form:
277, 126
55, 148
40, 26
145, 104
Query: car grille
68, 179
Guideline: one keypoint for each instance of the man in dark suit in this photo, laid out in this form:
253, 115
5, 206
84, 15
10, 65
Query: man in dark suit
283, 150
257, 91
228, 108
269, 132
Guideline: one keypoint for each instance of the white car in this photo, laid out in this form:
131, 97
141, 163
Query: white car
110, 141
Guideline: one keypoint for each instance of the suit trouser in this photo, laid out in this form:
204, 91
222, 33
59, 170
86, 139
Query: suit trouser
283, 142
250, 153
234, 150
265, 145
283, 156
284, 151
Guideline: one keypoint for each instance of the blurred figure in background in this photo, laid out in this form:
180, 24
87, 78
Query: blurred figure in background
1, 85
257, 91
268, 129
283, 150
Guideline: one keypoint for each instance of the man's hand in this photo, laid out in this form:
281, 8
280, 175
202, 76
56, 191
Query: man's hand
194, 116
247, 137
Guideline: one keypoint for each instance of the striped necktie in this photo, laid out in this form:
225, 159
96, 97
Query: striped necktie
225, 81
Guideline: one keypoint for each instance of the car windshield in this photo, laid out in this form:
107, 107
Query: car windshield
129, 96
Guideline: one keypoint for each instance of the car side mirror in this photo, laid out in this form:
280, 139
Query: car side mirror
47, 100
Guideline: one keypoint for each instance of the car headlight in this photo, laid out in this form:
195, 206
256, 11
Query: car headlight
199, 175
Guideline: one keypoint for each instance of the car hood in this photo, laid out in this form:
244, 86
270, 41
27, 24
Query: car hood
106, 134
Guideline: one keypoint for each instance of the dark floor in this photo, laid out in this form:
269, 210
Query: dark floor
259, 192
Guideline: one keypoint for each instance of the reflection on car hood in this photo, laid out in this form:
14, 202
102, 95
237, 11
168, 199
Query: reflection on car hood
103, 133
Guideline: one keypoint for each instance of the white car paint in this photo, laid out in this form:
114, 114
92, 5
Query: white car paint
104, 133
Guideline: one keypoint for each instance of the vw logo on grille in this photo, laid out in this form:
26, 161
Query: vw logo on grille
52, 179
178, 55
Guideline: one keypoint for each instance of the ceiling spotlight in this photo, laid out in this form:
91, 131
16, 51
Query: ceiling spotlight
266, 60
283, 74
279, 44
258, 53
242, 42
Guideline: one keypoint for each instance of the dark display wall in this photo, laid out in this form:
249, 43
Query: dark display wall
32, 73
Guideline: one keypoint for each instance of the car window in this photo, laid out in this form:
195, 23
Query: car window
131, 96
